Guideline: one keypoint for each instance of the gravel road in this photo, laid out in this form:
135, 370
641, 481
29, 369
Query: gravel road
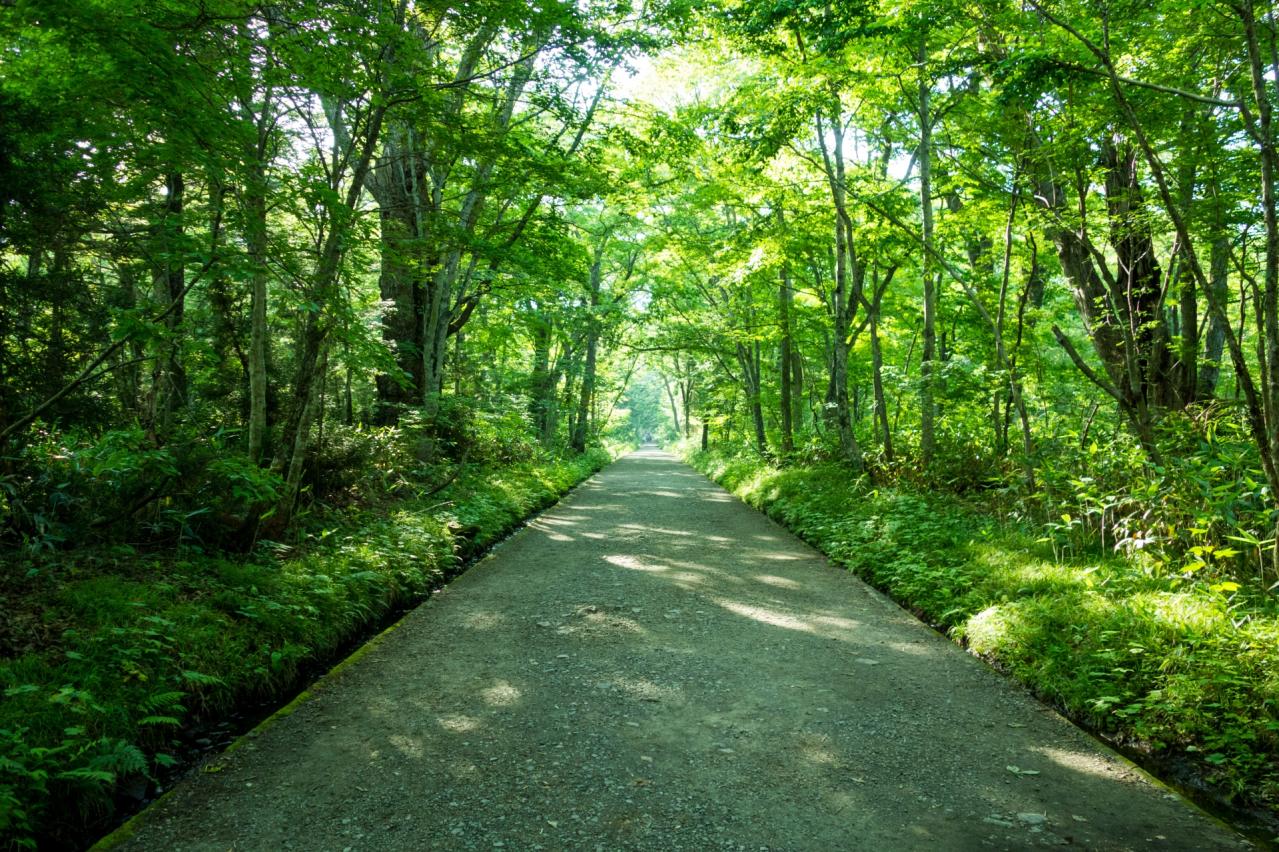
653, 665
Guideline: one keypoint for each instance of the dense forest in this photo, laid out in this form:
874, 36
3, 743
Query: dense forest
294, 293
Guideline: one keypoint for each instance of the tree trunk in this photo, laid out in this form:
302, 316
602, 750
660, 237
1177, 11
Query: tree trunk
847, 289
686, 392
670, 396
168, 379
797, 389
540, 394
877, 375
1214, 343
581, 424
755, 392
259, 334
301, 443
582, 419
784, 297
927, 404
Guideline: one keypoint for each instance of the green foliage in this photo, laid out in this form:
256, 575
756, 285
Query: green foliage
72, 488
159, 641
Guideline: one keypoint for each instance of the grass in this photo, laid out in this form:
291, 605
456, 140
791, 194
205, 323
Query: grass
1184, 673
131, 648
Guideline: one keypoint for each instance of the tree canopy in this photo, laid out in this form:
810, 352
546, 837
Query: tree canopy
1023, 252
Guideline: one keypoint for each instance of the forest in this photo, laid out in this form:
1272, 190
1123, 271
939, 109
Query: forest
303, 304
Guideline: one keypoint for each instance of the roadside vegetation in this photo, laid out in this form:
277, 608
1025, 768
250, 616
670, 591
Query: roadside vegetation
982, 297
116, 659
1180, 672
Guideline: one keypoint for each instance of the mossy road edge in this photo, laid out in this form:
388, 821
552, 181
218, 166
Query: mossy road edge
130, 827
1133, 767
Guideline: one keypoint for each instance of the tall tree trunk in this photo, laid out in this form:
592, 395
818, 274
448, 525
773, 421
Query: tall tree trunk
259, 333
877, 373
581, 424
442, 303
686, 393
128, 376
309, 406
540, 394
748, 357
1261, 129
581, 421
927, 403
357, 154
797, 389
168, 379
784, 297
1214, 343
670, 396
847, 289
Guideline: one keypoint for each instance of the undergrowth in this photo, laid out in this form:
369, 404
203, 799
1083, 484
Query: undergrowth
1180, 668
141, 645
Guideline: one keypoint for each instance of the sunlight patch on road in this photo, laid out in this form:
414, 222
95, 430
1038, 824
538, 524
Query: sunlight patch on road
407, 746
838, 622
502, 694
816, 749
633, 563
548, 528
647, 690
662, 530
1080, 762
458, 724
484, 620
765, 616
558, 521
780, 582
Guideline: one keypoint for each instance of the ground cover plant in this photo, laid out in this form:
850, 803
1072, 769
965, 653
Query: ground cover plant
130, 650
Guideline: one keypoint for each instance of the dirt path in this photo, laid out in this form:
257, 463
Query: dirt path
653, 665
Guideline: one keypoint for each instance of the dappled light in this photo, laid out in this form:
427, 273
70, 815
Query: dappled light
485, 621
458, 724
501, 694
621, 387
610, 680
781, 582
1082, 762
765, 615
633, 563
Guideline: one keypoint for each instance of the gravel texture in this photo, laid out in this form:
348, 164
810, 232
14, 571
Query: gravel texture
653, 665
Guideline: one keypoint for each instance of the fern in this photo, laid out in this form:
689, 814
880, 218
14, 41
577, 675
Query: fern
167, 701
118, 758
84, 773
160, 720
201, 679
